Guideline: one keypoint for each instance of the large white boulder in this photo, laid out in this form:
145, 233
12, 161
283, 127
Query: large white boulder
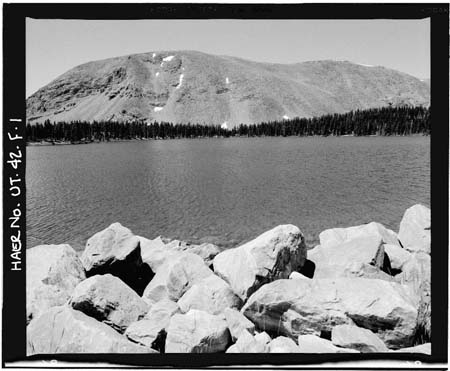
415, 229
422, 348
151, 331
300, 307
315, 344
337, 236
283, 344
212, 294
416, 274
398, 256
65, 330
116, 250
53, 271
415, 271
272, 255
361, 339
109, 300
155, 252
175, 277
197, 332
247, 343
359, 257
237, 323
207, 251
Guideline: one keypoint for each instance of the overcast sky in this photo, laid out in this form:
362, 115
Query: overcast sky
54, 46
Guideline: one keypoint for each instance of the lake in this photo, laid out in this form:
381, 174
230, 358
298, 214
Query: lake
225, 191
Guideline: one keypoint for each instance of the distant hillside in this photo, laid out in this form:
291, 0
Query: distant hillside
188, 86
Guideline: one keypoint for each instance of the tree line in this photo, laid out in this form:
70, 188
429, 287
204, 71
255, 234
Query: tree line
405, 120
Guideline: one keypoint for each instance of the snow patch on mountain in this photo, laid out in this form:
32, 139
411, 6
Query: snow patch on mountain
180, 81
157, 109
224, 125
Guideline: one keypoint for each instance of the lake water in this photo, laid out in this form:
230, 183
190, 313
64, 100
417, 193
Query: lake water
222, 190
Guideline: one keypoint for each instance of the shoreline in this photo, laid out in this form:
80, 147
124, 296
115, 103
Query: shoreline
46, 143
169, 296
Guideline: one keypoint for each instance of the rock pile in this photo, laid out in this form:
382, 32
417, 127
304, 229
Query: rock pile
363, 289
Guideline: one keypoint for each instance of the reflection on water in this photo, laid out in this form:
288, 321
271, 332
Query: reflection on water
222, 190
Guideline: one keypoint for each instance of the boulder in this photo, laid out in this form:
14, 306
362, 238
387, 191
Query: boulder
298, 276
300, 307
237, 323
197, 332
207, 251
154, 253
52, 272
176, 276
416, 271
263, 337
415, 229
359, 257
422, 348
212, 294
272, 255
337, 236
116, 250
398, 256
108, 299
315, 344
416, 274
282, 344
361, 339
64, 330
151, 331
247, 343
162, 310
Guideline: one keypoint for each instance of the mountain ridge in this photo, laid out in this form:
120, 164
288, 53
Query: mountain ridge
190, 86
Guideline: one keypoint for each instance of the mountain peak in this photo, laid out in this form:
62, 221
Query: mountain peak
189, 86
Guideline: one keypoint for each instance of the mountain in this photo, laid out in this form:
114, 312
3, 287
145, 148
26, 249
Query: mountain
189, 86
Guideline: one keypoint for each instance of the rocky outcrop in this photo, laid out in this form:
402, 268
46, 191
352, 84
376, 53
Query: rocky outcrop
299, 307
65, 330
175, 277
117, 251
53, 271
362, 256
197, 332
212, 294
272, 255
316, 344
108, 299
415, 229
361, 339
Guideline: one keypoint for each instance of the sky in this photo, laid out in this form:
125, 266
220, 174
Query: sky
55, 46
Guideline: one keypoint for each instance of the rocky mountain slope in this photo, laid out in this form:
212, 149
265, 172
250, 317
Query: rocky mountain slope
188, 86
